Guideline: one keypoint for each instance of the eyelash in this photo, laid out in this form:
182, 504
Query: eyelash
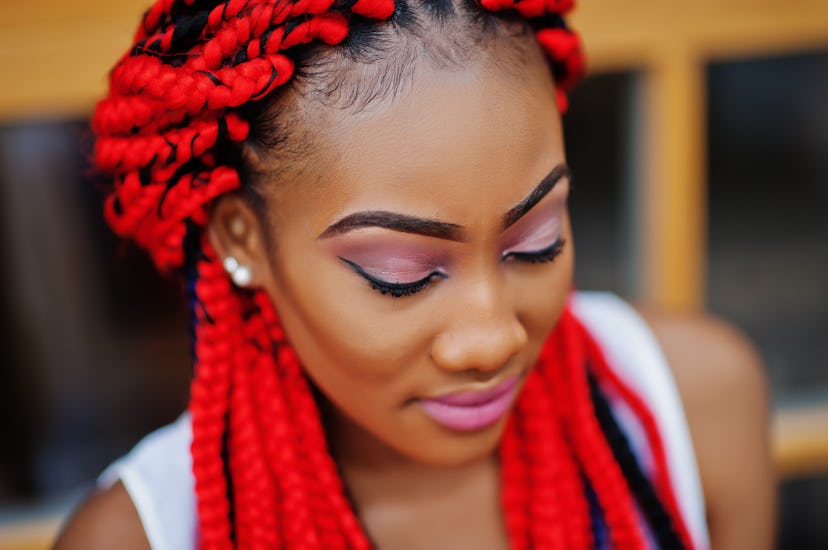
544, 255
398, 290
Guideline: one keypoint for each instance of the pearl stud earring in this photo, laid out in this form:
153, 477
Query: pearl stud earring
240, 274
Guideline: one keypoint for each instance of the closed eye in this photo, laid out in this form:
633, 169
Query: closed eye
547, 254
396, 290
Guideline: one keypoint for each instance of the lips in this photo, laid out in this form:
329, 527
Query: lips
471, 410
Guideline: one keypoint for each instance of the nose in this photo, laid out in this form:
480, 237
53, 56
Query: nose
483, 334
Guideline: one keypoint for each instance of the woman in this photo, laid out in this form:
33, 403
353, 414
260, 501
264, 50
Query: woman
390, 177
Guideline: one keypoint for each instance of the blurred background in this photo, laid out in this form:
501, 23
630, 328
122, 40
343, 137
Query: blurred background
699, 143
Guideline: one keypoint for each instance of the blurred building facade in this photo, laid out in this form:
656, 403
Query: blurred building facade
699, 145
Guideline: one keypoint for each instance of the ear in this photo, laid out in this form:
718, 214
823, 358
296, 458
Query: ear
235, 231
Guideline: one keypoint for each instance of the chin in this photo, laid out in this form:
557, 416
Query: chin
450, 449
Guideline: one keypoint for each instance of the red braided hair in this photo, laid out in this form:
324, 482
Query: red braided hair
258, 440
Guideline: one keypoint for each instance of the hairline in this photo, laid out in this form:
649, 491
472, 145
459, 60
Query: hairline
328, 79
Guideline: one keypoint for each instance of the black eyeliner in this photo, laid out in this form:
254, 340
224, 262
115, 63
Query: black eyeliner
539, 256
396, 290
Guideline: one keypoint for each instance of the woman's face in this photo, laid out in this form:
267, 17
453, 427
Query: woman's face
420, 261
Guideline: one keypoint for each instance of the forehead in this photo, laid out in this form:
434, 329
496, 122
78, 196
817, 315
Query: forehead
459, 145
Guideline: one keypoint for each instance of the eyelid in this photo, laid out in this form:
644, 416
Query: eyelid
539, 238
546, 254
395, 289
542, 223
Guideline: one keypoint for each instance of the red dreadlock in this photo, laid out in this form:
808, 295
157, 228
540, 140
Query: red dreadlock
257, 434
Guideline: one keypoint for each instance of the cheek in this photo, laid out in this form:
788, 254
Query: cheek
345, 345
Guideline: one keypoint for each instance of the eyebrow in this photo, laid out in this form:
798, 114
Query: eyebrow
395, 222
435, 228
538, 193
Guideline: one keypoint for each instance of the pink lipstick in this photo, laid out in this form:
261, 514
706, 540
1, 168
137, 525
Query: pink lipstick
468, 411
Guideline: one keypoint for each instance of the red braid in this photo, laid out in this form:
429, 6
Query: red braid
257, 434
217, 333
663, 483
562, 46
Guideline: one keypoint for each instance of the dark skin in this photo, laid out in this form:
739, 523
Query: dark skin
488, 144
728, 397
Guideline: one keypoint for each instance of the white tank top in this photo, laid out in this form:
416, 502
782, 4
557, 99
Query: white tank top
158, 477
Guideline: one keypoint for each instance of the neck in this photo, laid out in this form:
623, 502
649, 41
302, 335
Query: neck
405, 503
375, 473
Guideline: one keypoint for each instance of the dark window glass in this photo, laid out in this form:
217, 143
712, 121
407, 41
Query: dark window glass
94, 342
598, 131
768, 269
769, 212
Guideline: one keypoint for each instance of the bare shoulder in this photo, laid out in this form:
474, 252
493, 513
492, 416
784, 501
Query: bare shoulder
106, 519
709, 359
724, 391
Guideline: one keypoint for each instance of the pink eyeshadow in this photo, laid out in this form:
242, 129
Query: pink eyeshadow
393, 262
539, 230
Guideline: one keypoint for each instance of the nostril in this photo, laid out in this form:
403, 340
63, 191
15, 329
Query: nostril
521, 336
480, 346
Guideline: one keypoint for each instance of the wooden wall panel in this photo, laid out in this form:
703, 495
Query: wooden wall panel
670, 43
54, 55
620, 34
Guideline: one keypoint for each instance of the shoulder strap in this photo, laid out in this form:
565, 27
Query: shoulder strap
157, 474
633, 353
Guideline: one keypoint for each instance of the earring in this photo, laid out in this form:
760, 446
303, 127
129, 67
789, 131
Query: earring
240, 274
